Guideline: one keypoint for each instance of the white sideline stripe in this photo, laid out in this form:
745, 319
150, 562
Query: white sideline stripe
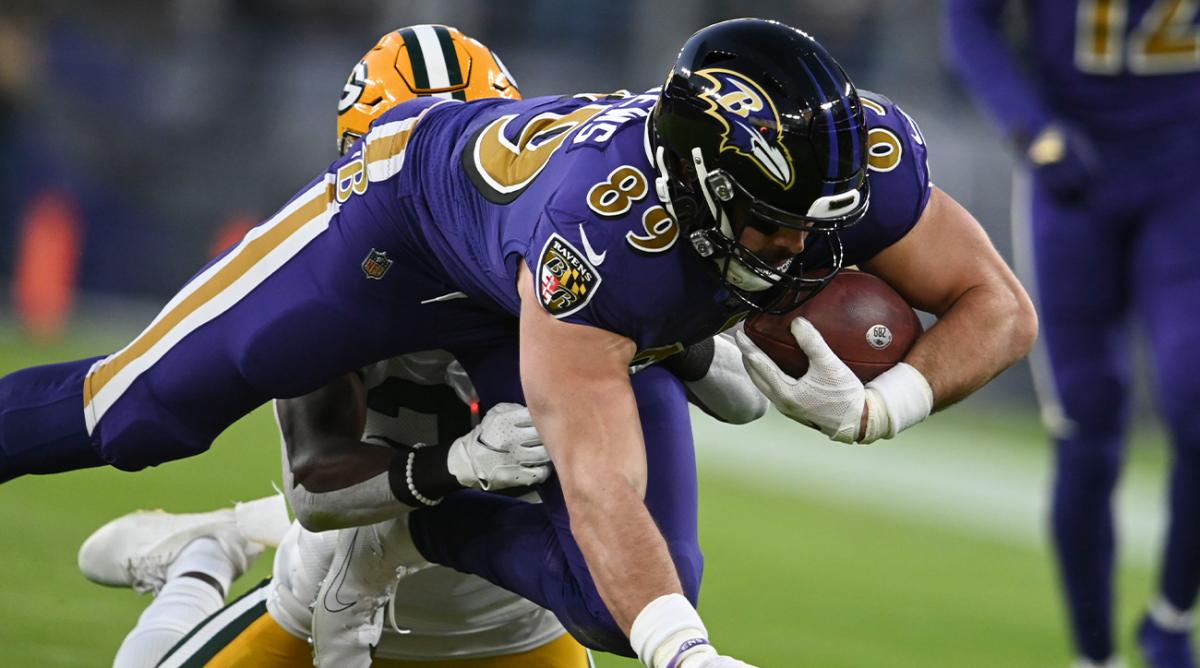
944, 475
220, 303
214, 626
1024, 255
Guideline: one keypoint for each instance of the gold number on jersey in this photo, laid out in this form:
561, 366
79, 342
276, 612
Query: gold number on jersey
884, 149
614, 197
1166, 39
351, 178
661, 232
501, 169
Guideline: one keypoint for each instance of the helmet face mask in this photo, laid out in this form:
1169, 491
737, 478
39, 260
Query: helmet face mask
758, 127
418, 61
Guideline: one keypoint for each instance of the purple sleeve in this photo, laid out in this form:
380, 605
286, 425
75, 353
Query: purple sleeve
584, 273
899, 179
978, 51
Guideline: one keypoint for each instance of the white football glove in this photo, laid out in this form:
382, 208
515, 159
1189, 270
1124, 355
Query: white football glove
829, 397
502, 451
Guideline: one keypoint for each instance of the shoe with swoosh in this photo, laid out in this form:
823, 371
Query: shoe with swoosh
348, 614
136, 550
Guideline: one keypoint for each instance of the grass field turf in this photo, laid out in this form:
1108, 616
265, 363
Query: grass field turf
845, 566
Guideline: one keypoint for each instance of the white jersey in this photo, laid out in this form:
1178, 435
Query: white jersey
443, 614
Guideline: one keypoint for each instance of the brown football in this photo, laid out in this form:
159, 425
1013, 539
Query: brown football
866, 323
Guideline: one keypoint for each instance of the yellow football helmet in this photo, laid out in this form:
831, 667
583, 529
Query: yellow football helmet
418, 61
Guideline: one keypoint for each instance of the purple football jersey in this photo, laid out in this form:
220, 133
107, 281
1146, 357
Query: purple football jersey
567, 185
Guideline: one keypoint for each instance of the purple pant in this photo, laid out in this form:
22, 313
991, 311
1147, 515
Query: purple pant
1130, 255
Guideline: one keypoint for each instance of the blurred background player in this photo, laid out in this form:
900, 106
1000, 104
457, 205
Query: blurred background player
1106, 123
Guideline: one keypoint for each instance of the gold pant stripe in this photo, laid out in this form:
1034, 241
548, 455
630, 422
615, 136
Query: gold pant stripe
243, 260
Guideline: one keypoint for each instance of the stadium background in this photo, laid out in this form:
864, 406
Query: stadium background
137, 137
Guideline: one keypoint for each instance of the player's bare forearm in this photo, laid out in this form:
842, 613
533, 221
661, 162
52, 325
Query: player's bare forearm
947, 266
321, 435
576, 382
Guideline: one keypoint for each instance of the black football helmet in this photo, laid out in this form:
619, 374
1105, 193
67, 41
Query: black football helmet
757, 125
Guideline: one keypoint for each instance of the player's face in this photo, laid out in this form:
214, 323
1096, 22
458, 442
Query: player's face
775, 247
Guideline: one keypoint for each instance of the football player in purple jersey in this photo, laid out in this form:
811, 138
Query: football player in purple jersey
551, 244
1106, 123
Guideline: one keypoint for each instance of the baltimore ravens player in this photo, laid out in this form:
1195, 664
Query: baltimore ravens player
1106, 122
333, 479
606, 231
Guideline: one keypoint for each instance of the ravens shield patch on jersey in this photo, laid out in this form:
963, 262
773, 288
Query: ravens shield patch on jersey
566, 280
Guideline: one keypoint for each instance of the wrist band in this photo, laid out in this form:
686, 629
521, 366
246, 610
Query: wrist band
661, 619
906, 398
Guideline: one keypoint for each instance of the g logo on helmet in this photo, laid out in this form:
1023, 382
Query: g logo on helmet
751, 122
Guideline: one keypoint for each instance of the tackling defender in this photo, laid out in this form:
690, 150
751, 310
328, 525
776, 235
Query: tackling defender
1106, 123
607, 230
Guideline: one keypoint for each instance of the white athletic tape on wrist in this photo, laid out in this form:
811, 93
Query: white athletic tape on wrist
905, 397
660, 621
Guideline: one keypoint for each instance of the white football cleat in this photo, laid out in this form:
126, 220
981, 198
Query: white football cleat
135, 550
348, 615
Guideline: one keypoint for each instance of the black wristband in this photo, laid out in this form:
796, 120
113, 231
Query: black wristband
430, 476
693, 363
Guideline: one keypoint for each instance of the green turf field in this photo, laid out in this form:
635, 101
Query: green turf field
925, 551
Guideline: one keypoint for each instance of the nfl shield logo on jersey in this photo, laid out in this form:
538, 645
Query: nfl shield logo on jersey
376, 264
566, 281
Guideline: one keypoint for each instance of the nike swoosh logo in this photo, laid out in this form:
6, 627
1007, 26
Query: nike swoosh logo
595, 258
339, 579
